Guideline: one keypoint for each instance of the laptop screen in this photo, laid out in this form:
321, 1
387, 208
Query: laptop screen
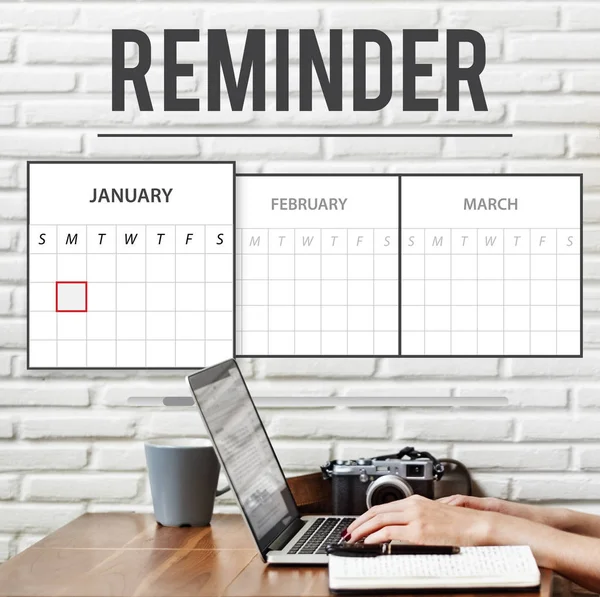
244, 450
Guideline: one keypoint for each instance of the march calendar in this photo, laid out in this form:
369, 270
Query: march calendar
130, 264
491, 265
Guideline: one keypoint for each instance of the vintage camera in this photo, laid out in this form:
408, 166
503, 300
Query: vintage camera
356, 485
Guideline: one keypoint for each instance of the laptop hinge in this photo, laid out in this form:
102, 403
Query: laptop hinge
283, 539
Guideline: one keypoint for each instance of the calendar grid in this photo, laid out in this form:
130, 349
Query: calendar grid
317, 261
532, 303
67, 340
501, 277
550, 318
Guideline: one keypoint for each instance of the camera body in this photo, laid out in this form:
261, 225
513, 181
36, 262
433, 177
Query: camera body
356, 485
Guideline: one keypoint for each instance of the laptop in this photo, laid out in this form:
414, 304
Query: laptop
282, 536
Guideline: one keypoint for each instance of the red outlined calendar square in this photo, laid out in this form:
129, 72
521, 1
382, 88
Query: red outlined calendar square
71, 297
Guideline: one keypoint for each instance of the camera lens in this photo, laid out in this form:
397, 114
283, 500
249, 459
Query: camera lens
388, 488
385, 495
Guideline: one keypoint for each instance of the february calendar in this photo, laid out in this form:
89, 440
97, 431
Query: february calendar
130, 264
318, 265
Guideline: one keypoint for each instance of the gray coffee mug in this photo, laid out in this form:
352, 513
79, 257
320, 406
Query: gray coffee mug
184, 474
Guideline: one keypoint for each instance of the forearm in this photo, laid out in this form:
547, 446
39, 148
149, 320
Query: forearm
562, 519
575, 522
574, 556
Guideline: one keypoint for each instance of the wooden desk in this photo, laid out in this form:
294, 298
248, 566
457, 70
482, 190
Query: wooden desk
127, 555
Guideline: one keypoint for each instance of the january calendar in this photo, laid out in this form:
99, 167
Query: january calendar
130, 264
408, 265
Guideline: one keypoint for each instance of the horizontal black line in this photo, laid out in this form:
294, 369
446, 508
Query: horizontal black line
402, 356
309, 135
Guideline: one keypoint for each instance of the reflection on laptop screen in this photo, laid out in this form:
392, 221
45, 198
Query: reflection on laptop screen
244, 449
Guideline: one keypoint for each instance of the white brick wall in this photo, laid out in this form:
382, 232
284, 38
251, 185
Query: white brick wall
69, 442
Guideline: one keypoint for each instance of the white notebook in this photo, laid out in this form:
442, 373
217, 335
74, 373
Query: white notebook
472, 568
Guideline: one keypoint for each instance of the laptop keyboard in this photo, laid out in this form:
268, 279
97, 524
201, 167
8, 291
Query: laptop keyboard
321, 533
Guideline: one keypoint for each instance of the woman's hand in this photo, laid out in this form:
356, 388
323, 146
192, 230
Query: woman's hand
419, 520
425, 522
